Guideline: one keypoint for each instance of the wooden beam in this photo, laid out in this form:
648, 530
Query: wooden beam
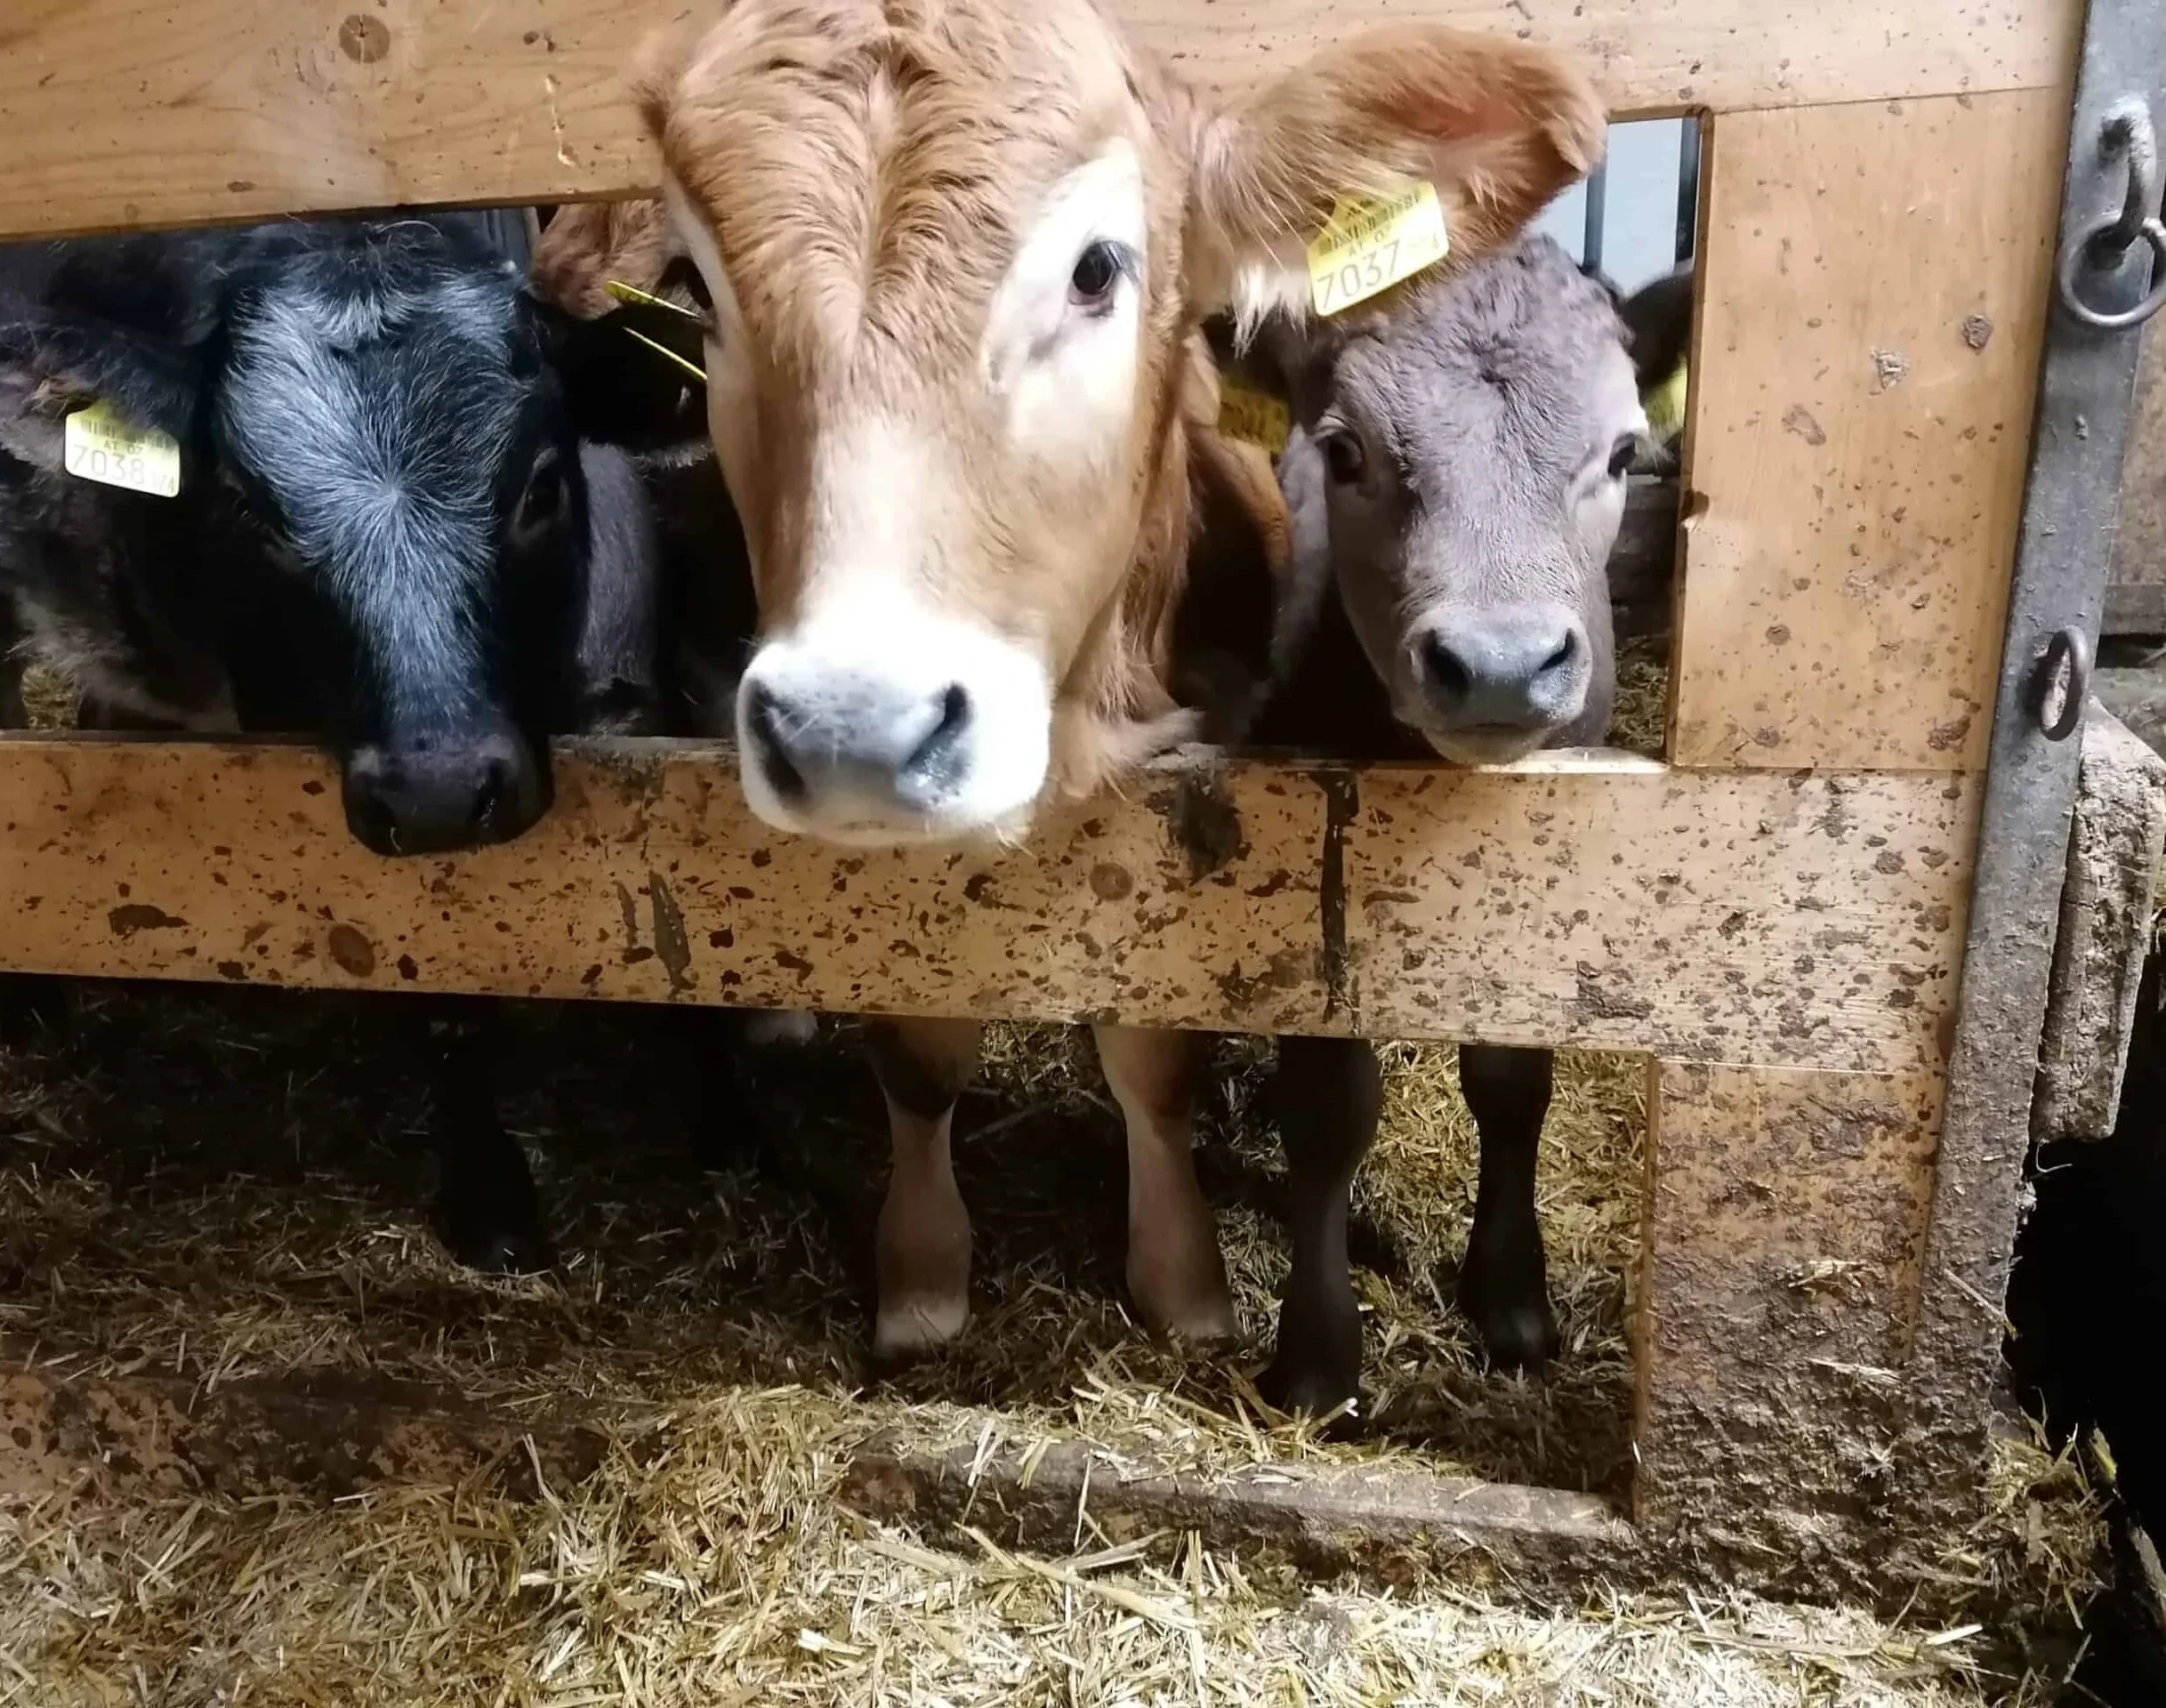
330, 1432
1784, 1239
1387, 1523
126, 113
1592, 899
1860, 405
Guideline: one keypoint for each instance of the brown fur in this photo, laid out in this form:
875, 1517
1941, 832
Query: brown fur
866, 168
588, 243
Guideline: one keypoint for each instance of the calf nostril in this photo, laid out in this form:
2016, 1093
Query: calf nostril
763, 717
490, 797
933, 761
1561, 658
954, 713
371, 820
1448, 672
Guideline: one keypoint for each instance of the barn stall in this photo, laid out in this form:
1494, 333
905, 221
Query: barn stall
1816, 918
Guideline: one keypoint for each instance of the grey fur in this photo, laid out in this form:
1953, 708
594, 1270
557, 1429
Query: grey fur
1487, 406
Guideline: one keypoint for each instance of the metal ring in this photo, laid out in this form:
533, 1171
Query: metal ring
2068, 649
2077, 256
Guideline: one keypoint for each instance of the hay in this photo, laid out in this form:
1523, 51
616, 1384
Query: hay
48, 699
705, 1562
221, 1183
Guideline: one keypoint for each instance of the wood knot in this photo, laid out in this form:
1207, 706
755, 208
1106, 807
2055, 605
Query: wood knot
364, 39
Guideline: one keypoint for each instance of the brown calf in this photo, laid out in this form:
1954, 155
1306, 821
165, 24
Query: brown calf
957, 251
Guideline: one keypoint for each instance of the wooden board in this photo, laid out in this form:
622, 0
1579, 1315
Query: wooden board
119, 113
1779, 1287
1588, 899
2135, 589
1391, 1523
1862, 394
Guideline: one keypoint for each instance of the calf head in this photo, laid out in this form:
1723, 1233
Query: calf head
1471, 444
956, 251
382, 495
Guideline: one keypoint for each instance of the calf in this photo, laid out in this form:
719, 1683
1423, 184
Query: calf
1456, 475
381, 534
957, 255
387, 535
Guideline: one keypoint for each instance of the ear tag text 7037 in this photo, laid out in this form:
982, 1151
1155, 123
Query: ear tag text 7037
101, 446
1371, 242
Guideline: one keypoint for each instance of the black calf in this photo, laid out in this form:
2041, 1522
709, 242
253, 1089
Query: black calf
388, 534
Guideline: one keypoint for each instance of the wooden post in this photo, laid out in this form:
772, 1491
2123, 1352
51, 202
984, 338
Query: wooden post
1863, 385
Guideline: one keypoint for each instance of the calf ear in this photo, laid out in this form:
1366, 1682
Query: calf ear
1498, 126
586, 245
1658, 326
130, 322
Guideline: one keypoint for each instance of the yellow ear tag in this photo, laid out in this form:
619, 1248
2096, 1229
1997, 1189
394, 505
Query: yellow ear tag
1256, 417
1371, 242
99, 445
1665, 405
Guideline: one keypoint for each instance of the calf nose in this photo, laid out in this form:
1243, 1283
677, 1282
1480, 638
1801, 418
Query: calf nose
1505, 667
438, 795
858, 739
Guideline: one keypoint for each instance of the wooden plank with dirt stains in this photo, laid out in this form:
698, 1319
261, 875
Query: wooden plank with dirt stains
1595, 899
328, 1433
1385, 1523
1863, 383
1783, 1242
126, 113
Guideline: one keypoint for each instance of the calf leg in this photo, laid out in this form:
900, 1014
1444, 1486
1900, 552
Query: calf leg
487, 1209
1175, 1271
1329, 1094
922, 1252
1504, 1285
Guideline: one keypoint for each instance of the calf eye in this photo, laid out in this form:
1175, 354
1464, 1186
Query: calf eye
1343, 457
1620, 456
1097, 272
542, 504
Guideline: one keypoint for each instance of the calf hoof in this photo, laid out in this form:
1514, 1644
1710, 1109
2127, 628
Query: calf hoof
501, 1251
1311, 1390
1517, 1331
1189, 1302
493, 1238
915, 1328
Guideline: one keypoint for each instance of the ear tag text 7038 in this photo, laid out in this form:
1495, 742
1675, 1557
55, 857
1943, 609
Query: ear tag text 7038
1371, 242
101, 446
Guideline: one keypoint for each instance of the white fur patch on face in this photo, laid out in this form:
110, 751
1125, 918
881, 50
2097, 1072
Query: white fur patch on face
887, 712
1063, 369
1596, 496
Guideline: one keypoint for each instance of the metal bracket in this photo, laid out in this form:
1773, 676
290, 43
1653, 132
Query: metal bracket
2086, 382
2099, 247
